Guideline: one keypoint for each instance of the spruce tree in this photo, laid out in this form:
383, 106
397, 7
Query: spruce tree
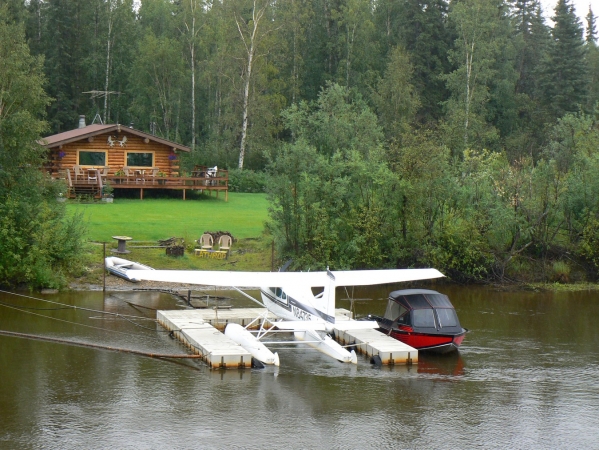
565, 75
591, 35
420, 27
593, 62
532, 39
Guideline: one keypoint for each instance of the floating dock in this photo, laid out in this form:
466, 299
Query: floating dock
217, 350
200, 330
371, 342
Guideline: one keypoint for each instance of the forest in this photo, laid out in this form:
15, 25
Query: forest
460, 134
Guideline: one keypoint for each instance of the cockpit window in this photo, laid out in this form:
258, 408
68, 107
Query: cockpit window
424, 318
439, 301
447, 318
417, 301
394, 310
280, 295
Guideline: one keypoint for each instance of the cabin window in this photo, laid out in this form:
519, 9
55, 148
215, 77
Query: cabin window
140, 159
395, 311
447, 317
417, 301
439, 301
88, 158
424, 318
280, 295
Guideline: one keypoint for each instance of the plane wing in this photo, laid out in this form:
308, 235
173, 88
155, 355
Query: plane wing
278, 279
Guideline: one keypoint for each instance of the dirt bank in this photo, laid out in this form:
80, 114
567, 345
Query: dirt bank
118, 284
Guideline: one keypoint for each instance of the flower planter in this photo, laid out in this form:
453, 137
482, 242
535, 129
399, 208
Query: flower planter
107, 199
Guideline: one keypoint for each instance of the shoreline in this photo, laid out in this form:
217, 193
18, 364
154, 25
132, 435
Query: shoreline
116, 284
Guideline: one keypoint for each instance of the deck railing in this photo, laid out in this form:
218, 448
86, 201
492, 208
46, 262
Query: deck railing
200, 180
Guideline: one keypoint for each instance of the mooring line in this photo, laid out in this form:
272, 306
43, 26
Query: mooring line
98, 346
69, 322
127, 317
72, 306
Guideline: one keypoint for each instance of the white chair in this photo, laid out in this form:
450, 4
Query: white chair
224, 243
211, 173
92, 175
206, 242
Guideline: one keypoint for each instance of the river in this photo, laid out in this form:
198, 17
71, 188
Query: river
527, 376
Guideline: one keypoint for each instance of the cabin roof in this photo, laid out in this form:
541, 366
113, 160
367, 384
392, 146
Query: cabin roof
401, 292
78, 134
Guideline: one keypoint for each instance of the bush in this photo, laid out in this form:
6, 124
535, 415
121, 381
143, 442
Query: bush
248, 181
561, 272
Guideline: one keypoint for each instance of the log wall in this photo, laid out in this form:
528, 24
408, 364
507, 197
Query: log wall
116, 155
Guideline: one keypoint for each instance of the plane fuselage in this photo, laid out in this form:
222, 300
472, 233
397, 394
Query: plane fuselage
290, 307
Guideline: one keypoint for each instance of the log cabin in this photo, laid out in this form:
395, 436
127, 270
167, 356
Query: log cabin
91, 156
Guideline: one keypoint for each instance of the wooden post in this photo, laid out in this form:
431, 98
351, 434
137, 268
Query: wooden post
104, 266
272, 256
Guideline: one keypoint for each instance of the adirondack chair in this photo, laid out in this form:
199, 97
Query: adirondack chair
153, 173
128, 172
78, 172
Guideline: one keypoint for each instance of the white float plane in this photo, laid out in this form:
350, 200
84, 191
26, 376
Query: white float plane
291, 297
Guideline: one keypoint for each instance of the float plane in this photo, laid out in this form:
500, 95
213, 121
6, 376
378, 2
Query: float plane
303, 302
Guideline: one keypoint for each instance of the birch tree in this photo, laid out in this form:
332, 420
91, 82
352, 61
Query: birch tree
252, 31
193, 15
479, 45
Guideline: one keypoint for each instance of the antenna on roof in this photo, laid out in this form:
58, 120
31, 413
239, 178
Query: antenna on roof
97, 116
97, 94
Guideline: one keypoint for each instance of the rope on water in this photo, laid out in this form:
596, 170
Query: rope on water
98, 346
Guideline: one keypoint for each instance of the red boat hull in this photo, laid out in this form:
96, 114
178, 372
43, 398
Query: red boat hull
438, 343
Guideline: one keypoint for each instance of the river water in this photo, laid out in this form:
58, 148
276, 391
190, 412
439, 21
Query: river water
527, 376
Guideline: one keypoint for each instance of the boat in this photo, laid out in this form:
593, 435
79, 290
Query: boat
423, 319
119, 267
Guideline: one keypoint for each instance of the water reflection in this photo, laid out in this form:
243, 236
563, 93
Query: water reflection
526, 377
450, 364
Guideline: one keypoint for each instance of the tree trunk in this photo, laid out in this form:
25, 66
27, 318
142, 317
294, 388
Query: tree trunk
106, 83
250, 47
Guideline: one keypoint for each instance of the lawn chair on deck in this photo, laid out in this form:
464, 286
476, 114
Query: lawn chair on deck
104, 172
92, 175
78, 172
128, 172
153, 173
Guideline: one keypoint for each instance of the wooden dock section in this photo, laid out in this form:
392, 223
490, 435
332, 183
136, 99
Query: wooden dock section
371, 342
200, 330
217, 350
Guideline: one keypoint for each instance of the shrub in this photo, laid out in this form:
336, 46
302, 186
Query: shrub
248, 181
561, 272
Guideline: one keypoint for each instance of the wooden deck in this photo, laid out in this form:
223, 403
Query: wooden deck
142, 182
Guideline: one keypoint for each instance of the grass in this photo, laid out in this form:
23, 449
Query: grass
147, 221
243, 216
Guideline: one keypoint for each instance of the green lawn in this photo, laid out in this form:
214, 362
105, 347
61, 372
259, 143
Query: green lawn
243, 216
